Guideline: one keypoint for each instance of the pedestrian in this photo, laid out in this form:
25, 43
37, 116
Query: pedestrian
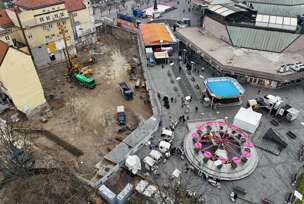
196, 109
162, 66
259, 91
172, 99
188, 117
179, 69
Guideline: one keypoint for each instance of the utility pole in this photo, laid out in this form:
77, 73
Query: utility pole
67, 55
24, 36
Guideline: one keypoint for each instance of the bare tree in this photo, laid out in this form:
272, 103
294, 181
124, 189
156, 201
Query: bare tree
179, 192
15, 156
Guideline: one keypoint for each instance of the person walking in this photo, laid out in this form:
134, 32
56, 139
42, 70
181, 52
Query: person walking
196, 109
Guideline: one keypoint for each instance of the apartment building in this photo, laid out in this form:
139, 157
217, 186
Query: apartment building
82, 20
9, 33
19, 81
41, 20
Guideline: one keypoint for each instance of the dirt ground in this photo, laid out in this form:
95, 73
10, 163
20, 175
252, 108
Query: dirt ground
87, 118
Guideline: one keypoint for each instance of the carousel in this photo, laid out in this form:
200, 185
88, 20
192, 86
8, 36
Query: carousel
220, 150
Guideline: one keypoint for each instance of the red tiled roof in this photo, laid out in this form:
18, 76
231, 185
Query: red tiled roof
36, 4
3, 50
4, 19
74, 5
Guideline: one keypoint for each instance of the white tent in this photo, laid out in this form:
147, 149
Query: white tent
133, 163
149, 162
247, 119
141, 186
155, 155
164, 146
167, 132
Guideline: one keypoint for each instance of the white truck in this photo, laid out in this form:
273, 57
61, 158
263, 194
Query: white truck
276, 106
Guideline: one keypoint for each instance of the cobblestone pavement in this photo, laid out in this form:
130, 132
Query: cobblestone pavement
271, 179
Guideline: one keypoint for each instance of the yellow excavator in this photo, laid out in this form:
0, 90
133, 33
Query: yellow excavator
76, 67
82, 75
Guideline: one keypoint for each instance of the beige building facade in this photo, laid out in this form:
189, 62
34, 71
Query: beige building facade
82, 20
19, 80
40, 22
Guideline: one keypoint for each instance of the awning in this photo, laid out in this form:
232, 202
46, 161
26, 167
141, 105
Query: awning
223, 10
161, 55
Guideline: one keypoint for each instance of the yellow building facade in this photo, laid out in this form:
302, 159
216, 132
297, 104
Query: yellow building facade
19, 80
41, 28
82, 20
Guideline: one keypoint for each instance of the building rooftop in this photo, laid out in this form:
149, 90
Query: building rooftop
264, 63
259, 39
277, 2
154, 33
3, 50
36, 4
74, 5
4, 19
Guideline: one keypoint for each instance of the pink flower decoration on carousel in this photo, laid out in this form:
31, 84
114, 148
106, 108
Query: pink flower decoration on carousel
198, 145
236, 160
222, 159
200, 127
221, 123
195, 135
249, 144
211, 123
246, 154
244, 135
233, 127
208, 154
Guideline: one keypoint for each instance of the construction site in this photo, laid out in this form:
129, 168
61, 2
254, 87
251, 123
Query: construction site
80, 124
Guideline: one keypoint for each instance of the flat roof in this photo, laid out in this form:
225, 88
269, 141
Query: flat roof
156, 34
238, 59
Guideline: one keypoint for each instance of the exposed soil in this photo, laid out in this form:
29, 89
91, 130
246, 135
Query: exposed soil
87, 118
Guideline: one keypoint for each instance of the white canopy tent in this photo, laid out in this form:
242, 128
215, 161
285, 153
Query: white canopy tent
155, 155
149, 163
247, 119
164, 146
133, 163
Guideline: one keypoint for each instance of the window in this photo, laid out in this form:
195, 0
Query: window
63, 22
47, 37
53, 35
50, 26
30, 36
45, 27
61, 14
75, 14
41, 19
7, 37
48, 18
56, 15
